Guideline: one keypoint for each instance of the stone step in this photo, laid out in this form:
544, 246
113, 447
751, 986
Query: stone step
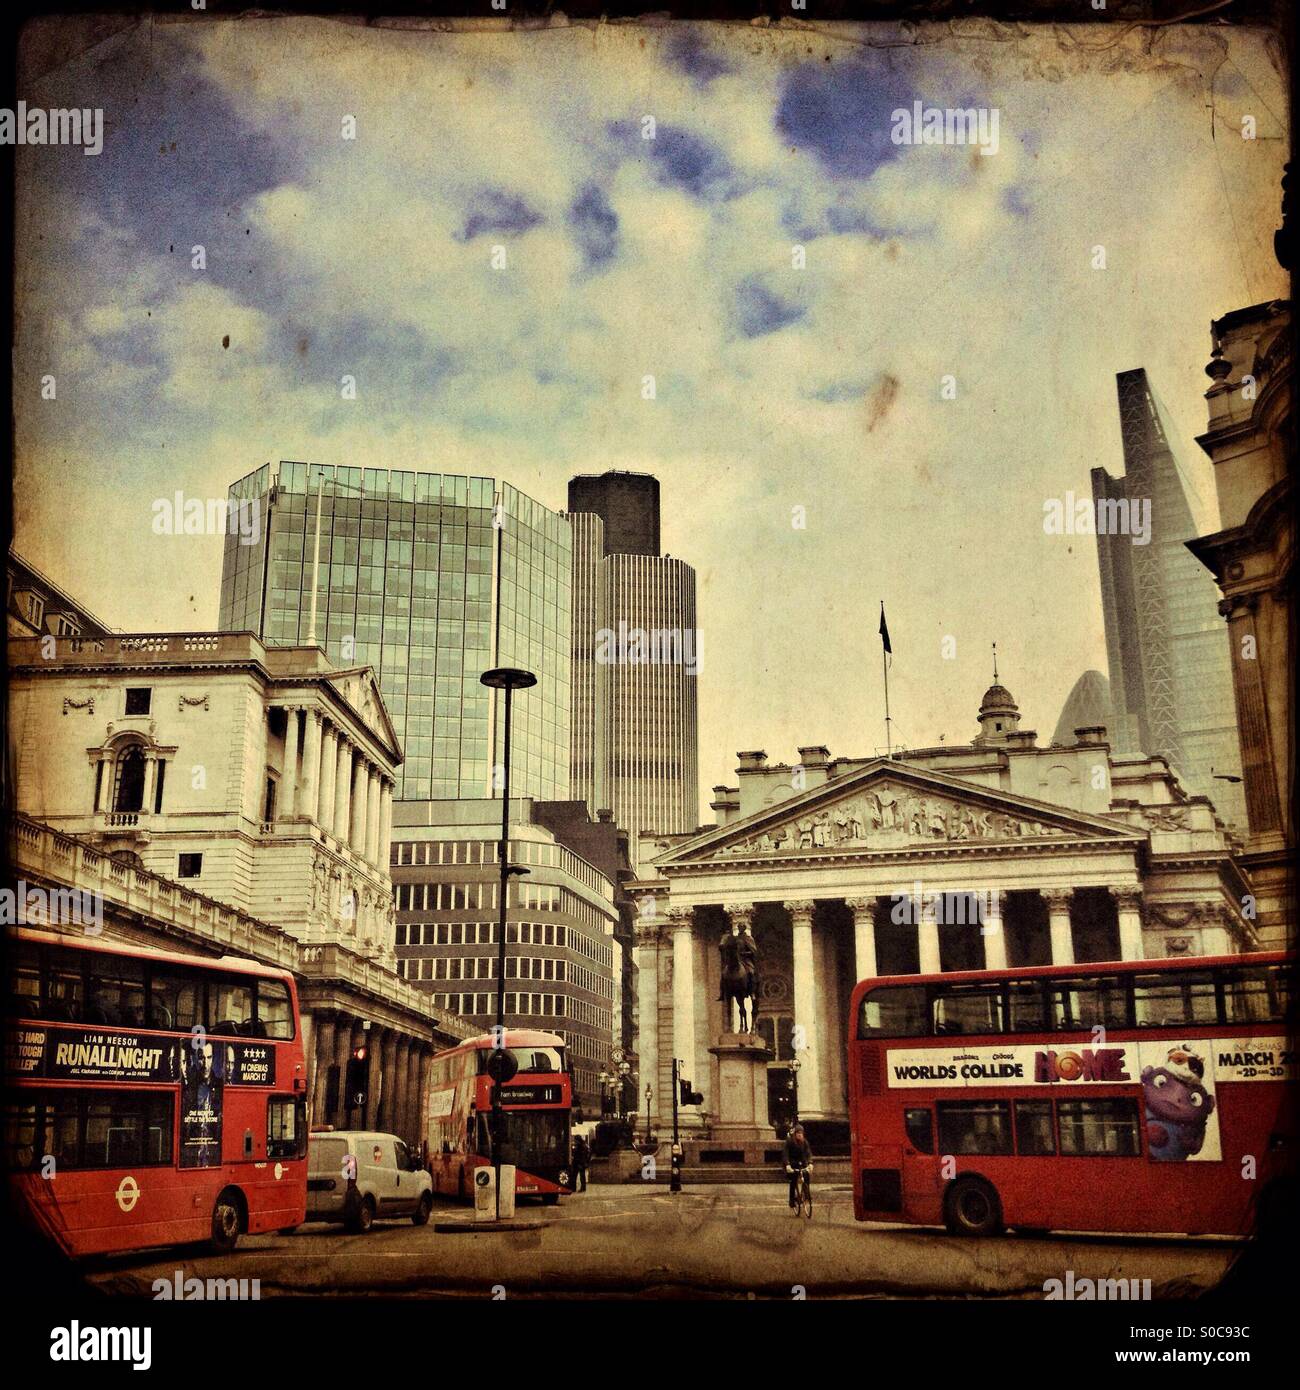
826, 1170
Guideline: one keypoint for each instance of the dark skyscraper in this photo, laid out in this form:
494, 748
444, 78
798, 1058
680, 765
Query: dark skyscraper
1170, 671
627, 503
636, 656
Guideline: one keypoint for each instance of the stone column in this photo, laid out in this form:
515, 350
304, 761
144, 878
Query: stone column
1263, 804
372, 817
377, 1041
324, 1055
360, 781
422, 1091
411, 1113
105, 797
390, 1096
385, 825
395, 1113
342, 788
681, 924
805, 1010
864, 936
150, 783
1058, 918
289, 777
344, 1026
992, 933
646, 953
329, 758
927, 938
309, 797
1129, 903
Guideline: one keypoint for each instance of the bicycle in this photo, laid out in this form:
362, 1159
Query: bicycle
802, 1190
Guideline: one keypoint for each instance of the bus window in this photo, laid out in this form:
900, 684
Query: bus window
127, 1129
967, 1009
116, 993
974, 1127
1255, 994
25, 982
894, 1011
1034, 1133
175, 1001
20, 1147
286, 1127
1101, 1001
1026, 1012
1174, 997
919, 1125
274, 1012
65, 988
1100, 1127
232, 1006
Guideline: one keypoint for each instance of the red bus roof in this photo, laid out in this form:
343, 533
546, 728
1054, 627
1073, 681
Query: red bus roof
515, 1037
1093, 967
125, 948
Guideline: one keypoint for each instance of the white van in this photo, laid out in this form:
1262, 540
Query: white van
358, 1177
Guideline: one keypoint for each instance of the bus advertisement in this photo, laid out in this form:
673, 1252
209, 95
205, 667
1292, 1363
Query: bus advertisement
1139, 1096
535, 1102
152, 1098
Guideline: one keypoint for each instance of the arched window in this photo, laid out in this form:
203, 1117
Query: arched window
128, 792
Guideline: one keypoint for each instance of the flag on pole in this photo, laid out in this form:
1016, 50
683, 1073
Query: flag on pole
884, 631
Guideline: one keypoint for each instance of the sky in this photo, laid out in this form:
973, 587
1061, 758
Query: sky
499, 257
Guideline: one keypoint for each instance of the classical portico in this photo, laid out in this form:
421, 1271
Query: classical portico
886, 866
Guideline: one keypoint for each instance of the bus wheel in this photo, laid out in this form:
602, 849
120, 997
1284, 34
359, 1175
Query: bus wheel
227, 1220
972, 1208
420, 1216
549, 1199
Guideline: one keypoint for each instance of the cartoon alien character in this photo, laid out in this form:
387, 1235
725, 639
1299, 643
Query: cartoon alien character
1178, 1105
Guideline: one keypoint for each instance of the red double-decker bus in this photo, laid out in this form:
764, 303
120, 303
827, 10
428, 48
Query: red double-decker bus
536, 1102
152, 1098
1140, 1096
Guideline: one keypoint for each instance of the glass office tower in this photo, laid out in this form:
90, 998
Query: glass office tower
416, 578
1166, 645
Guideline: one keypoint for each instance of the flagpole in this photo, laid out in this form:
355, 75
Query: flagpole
884, 663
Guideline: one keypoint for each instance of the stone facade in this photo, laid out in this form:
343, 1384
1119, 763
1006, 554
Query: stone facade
1251, 440
225, 796
996, 854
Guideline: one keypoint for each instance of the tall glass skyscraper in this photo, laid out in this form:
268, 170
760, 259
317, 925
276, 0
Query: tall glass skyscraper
636, 660
431, 579
1167, 646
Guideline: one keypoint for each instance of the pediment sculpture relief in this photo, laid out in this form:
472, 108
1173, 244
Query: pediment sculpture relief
887, 817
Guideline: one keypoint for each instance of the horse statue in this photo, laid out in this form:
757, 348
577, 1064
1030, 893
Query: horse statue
739, 982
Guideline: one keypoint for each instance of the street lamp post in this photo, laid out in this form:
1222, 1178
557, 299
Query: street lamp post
509, 679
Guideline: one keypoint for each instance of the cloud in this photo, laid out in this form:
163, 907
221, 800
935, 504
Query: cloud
595, 225
626, 258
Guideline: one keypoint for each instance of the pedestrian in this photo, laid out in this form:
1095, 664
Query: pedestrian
581, 1160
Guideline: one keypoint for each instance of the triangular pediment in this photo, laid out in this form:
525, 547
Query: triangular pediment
361, 691
890, 806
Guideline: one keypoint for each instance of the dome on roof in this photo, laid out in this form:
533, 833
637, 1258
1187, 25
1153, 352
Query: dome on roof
997, 697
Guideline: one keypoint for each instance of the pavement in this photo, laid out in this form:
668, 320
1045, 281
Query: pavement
717, 1241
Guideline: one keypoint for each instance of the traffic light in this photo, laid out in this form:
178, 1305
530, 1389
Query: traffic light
358, 1078
687, 1096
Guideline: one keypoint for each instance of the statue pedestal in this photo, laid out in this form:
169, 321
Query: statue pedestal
742, 1087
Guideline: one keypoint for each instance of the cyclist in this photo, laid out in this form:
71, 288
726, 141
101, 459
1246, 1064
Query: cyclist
798, 1158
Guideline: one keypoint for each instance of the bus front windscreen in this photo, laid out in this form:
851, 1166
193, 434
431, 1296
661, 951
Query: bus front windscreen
536, 1139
